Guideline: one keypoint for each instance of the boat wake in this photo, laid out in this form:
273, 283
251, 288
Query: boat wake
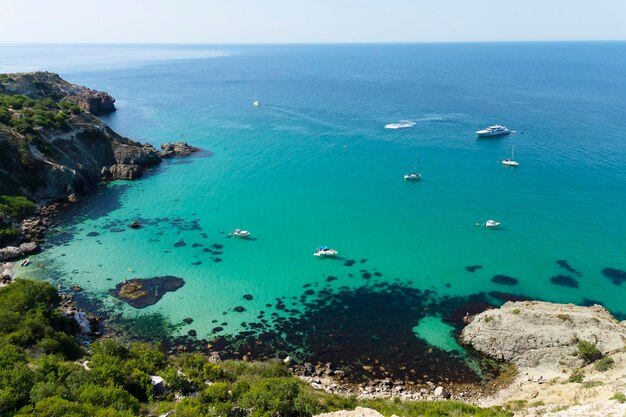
402, 124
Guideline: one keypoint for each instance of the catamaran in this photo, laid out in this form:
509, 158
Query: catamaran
511, 161
413, 176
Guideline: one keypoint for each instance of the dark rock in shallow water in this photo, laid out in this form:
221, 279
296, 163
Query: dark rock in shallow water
92, 234
505, 296
349, 262
143, 292
504, 279
188, 320
366, 275
617, 276
473, 268
564, 281
217, 260
248, 297
180, 243
192, 333
563, 264
331, 278
239, 309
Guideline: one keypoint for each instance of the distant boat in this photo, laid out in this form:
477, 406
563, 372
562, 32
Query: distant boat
256, 103
491, 223
25, 262
511, 162
325, 251
241, 233
413, 176
495, 130
400, 125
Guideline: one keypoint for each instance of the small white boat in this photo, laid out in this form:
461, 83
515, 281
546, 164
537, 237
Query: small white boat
325, 251
511, 162
491, 223
400, 125
241, 233
256, 103
414, 176
495, 130
25, 262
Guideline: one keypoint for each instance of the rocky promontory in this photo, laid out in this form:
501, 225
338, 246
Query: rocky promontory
540, 334
53, 149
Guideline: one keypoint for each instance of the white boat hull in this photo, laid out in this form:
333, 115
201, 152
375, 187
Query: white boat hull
486, 133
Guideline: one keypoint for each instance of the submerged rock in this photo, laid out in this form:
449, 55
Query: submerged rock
143, 292
541, 334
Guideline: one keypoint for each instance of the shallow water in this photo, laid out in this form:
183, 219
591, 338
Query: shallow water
314, 166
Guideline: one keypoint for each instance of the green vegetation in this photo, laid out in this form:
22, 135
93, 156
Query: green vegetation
42, 374
620, 397
516, 311
26, 115
604, 364
15, 208
578, 376
588, 351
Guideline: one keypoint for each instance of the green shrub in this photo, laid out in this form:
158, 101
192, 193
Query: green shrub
516, 311
588, 351
577, 376
8, 235
604, 364
279, 397
17, 207
216, 392
620, 397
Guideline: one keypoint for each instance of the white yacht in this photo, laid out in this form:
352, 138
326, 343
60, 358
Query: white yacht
495, 130
325, 251
241, 233
256, 103
511, 162
491, 223
400, 125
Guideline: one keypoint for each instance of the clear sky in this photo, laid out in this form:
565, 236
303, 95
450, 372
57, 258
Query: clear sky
305, 21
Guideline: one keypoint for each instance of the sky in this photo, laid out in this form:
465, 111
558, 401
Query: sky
308, 21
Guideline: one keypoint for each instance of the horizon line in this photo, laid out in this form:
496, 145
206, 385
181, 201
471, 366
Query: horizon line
317, 43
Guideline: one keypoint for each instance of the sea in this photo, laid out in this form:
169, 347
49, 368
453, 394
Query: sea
314, 165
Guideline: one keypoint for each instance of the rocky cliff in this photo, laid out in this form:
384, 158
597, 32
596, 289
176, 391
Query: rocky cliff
53, 148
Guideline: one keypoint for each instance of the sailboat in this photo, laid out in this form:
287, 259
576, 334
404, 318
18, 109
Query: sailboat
511, 161
413, 176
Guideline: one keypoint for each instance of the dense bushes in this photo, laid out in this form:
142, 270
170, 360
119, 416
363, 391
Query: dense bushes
25, 114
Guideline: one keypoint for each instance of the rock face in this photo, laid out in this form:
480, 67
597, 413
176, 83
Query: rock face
169, 150
58, 163
543, 335
49, 85
121, 172
9, 252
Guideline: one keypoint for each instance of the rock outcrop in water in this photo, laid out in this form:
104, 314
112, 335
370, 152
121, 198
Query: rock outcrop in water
143, 292
540, 334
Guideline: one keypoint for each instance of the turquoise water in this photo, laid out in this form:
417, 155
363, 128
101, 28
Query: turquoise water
314, 166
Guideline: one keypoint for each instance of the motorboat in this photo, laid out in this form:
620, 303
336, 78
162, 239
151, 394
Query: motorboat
399, 125
241, 233
256, 103
495, 130
511, 161
325, 251
491, 223
413, 176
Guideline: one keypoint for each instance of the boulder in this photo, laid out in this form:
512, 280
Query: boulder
29, 247
357, 412
121, 172
440, 392
9, 252
538, 334
169, 150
